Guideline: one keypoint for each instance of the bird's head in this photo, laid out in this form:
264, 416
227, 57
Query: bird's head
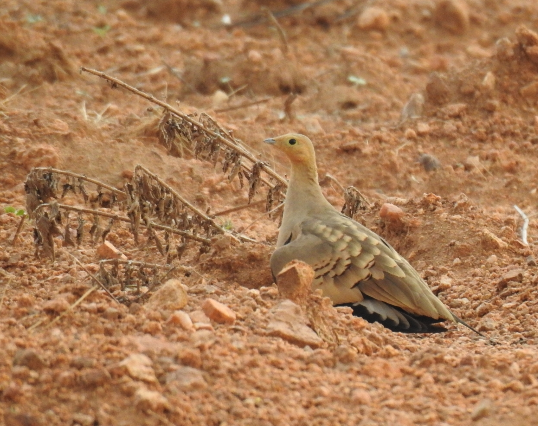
298, 148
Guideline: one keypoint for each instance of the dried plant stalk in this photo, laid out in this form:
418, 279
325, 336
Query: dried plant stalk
204, 137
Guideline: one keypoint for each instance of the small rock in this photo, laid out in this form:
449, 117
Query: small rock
182, 319
513, 275
94, 378
139, 367
413, 108
491, 241
445, 282
108, 251
83, 362
504, 49
289, 323
454, 110
219, 98
111, 314
186, 378
146, 399
295, 281
483, 309
373, 18
56, 305
199, 317
437, 90
28, 358
423, 129
218, 312
530, 90
12, 419
171, 297
531, 261
410, 134
488, 83
391, 213
83, 419
361, 397
429, 162
452, 15
255, 56
491, 105
472, 162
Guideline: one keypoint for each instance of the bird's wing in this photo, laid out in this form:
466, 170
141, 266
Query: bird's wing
350, 261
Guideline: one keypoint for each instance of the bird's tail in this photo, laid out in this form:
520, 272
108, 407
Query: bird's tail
459, 320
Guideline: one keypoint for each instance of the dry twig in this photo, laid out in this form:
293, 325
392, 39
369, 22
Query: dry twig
525, 225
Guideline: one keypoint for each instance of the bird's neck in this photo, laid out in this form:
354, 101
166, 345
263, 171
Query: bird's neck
304, 190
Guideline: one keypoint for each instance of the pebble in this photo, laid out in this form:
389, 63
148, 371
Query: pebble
452, 15
373, 18
28, 358
391, 213
513, 275
219, 98
429, 162
488, 83
56, 305
289, 323
146, 399
255, 56
182, 319
107, 250
138, 367
295, 281
491, 241
530, 90
423, 129
218, 312
171, 296
186, 378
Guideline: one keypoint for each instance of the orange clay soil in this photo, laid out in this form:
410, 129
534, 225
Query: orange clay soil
354, 66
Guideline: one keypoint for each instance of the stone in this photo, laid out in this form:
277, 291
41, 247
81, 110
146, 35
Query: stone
146, 399
28, 358
182, 319
107, 250
138, 367
515, 275
20, 419
218, 312
94, 377
171, 297
219, 98
56, 306
491, 241
373, 18
289, 323
186, 378
452, 15
391, 213
294, 282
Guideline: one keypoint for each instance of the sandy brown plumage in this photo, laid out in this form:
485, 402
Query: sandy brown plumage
353, 265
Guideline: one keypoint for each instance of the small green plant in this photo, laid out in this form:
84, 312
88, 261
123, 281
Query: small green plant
228, 225
17, 212
101, 30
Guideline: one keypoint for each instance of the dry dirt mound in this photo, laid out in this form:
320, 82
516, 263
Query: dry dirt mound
226, 348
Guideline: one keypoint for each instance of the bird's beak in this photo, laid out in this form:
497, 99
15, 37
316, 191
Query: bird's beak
270, 140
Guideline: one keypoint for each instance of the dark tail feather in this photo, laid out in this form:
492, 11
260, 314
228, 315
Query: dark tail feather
394, 318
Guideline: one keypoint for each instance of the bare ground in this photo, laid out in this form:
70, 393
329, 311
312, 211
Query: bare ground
475, 64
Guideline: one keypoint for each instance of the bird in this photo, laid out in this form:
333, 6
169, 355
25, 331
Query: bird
353, 265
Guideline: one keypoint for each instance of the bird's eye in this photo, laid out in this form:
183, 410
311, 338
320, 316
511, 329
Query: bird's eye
292, 141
